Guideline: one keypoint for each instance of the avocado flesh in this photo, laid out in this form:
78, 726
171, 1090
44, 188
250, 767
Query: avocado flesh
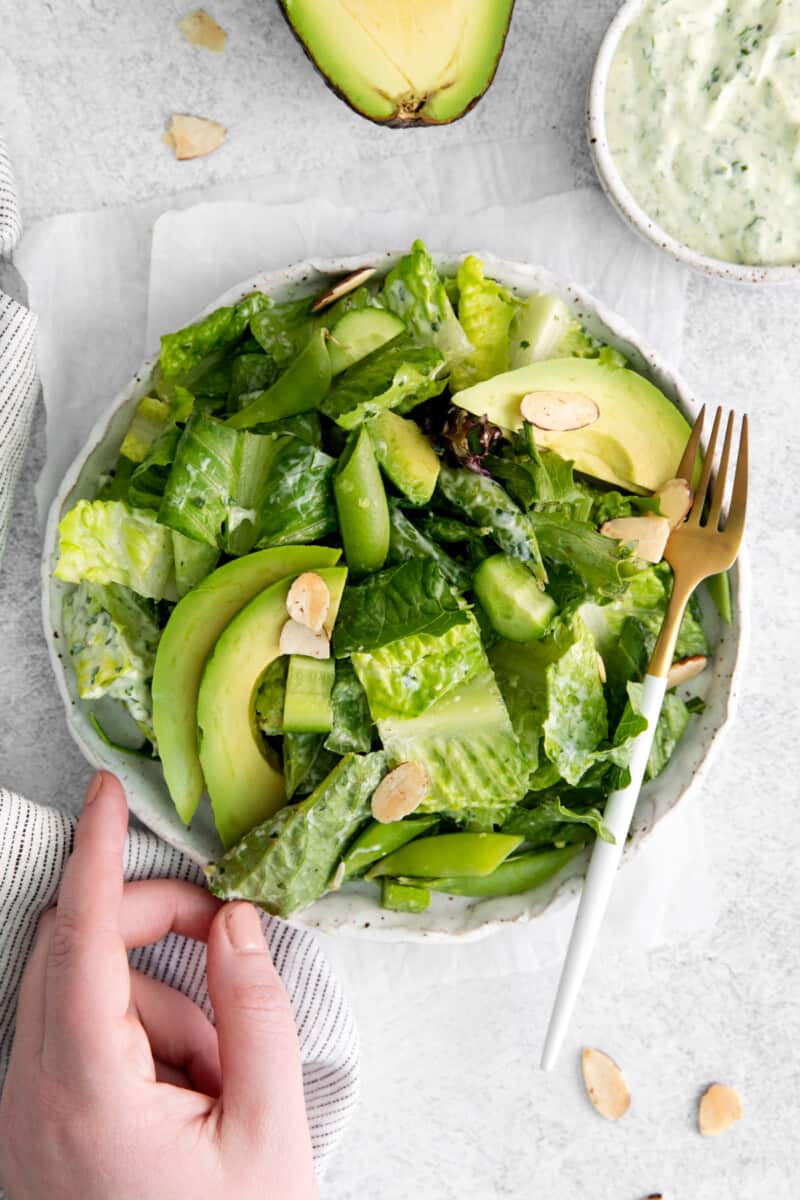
193, 627
245, 788
413, 63
636, 443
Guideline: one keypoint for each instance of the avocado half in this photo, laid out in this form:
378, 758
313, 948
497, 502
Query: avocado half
404, 62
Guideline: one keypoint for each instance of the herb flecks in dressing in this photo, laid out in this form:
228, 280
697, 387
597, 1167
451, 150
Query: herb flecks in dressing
703, 120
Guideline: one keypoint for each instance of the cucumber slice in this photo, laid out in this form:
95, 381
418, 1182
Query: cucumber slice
514, 603
307, 701
358, 333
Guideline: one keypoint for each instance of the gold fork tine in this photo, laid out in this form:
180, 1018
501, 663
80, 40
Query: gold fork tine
718, 491
686, 468
708, 465
735, 523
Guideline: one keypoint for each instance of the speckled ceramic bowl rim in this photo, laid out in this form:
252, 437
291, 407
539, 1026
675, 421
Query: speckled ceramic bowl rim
356, 913
625, 203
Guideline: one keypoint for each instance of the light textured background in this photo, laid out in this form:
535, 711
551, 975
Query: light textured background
453, 1105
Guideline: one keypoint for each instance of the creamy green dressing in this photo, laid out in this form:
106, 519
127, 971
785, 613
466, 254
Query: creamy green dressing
703, 121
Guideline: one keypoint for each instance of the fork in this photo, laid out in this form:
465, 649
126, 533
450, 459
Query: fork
704, 544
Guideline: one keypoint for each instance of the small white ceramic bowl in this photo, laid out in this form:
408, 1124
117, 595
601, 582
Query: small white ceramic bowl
625, 203
355, 909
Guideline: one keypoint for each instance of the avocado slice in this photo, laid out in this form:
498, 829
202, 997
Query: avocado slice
403, 64
193, 627
245, 788
637, 441
358, 333
405, 455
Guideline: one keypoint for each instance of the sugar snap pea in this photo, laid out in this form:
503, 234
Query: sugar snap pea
361, 505
519, 874
402, 897
378, 840
448, 854
301, 387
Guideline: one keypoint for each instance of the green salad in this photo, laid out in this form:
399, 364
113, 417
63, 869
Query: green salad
380, 573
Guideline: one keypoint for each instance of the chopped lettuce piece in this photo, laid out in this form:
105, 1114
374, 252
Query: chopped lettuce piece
298, 505
485, 310
608, 506
645, 597
520, 673
287, 863
544, 328
250, 373
406, 541
282, 330
577, 720
540, 479
488, 505
603, 564
149, 479
414, 290
413, 597
106, 541
197, 494
251, 467
270, 697
149, 420
305, 426
398, 375
549, 819
467, 745
187, 349
112, 635
672, 723
193, 562
408, 675
306, 762
352, 723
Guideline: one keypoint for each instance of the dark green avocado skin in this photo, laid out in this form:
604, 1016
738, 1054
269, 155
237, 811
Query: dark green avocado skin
411, 120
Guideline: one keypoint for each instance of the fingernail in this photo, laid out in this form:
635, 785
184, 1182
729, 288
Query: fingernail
243, 926
93, 790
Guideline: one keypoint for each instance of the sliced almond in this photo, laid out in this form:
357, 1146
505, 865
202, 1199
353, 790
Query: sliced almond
605, 1084
342, 287
299, 639
309, 601
601, 668
202, 30
720, 1107
400, 792
675, 499
685, 669
648, 534
337, 878
192, 137
559, 412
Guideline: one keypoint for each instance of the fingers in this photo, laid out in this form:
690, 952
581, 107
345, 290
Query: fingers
261, 1074
152, 908
181, 1036
87, 977
29, 1033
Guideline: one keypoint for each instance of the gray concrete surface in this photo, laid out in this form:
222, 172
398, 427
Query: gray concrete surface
453, 1105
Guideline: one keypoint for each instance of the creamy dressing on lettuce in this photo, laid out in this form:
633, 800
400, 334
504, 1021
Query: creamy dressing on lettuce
703, 121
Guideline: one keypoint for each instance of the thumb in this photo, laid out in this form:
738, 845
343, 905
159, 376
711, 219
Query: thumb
262, 1081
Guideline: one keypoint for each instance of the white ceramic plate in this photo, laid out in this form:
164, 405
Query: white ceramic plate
355, 909
625, 203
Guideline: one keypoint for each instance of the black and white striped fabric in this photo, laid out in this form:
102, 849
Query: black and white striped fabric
35, 839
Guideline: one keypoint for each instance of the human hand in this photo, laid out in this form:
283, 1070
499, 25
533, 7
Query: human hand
119, 1088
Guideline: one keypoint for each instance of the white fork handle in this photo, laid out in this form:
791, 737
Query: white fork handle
600, 876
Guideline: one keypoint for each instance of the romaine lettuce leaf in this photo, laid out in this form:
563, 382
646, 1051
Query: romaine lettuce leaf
485, 310
645, 598
672, 723
149, 420
250, 373
555, 817
398, 375
305, 426
413, 597
282, 330
414, 291
351, 731
107, 541
298, 505
193, 562
149, 479
467, 745
270, 697
487, 504
406, 541
111, 636
577, 720
603, 564
197, 495
306, 762
287, 863
540, 479
187, 349
408, 675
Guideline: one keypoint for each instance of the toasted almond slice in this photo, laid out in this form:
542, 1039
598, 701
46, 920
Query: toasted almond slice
400, 792
675, 499
605, 1084
192, 137
337, 878
685, 669
719, 1108
342, 287
559, 412
601, 668
202, 30
299, 639
649, 535
309, 601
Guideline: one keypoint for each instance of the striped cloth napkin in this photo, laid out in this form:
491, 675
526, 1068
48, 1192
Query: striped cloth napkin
35, 839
